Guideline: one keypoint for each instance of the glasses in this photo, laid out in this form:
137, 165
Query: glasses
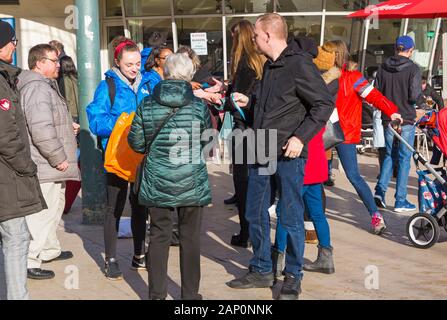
55, 61
15, 42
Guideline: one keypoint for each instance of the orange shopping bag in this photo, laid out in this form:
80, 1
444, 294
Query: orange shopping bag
120, 159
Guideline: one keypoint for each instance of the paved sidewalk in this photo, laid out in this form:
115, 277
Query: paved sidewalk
404, 271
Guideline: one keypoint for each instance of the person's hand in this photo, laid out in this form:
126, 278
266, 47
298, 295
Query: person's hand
215, 98
241, 100
76, 128
293, 148
196, 85
63, 166
217, 86
396, 116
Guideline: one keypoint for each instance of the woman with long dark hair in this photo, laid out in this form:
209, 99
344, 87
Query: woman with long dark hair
246, 70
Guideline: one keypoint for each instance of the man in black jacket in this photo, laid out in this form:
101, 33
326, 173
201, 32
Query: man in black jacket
20, 193
399, 79
292, 104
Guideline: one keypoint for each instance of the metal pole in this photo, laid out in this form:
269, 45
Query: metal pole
365, 44
225, 45
174, 27
406, 22
433, 52
444, 65
126, 27
323, 23
89, 67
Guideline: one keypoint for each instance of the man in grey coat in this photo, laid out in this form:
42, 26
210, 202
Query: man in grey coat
20, 193
52, 134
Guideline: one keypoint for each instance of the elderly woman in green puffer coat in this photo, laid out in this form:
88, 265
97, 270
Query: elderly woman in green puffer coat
175, 174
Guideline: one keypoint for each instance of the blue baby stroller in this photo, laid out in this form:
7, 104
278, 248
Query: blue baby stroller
423, 228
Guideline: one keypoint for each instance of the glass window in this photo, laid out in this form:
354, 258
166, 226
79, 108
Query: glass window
112, 33
305, 26
139, 8
299, 5
192, 7
347, 30
113, 8
142, 30
345, 5
248, 6
423, 33
381, 43
213, 60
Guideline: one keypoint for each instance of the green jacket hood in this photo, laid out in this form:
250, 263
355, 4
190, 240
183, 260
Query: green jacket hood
173, 93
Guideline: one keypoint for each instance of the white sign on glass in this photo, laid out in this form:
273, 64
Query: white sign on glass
199, 43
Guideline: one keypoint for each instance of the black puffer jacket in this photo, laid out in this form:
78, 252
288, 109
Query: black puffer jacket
399, 79
292, 98
20, 193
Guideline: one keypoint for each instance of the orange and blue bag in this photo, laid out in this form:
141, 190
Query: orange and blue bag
120, 159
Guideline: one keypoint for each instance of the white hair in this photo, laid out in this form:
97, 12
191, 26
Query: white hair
178, 66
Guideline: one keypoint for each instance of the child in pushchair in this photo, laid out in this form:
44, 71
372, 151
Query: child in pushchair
423, 228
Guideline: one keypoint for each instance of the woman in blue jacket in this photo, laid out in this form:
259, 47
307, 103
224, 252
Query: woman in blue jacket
122, 91
155, 64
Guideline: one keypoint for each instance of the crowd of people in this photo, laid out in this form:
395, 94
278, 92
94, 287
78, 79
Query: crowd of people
284, 86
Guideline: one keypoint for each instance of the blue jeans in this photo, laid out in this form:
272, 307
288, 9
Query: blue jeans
15, 240
347, 154
313, 202
289, 177
404, 163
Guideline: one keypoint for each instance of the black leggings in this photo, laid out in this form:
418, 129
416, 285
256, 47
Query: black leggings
116, 200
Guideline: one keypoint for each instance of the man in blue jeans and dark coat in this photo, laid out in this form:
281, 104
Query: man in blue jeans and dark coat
399, 79
293, 104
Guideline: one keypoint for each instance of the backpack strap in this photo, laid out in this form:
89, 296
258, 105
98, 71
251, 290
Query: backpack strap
112, 90
111, 85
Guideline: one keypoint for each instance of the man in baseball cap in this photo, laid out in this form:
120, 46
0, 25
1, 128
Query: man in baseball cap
20, 193
399, 79
404, 43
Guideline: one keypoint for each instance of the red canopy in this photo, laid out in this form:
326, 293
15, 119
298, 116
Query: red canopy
399, 9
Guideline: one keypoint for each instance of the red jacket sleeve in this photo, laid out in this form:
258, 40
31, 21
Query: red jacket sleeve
373, 96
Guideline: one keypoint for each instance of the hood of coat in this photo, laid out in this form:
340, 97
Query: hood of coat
397, 64
144, 57
305, 44
9, 70
27, 77
332, 74
173, 93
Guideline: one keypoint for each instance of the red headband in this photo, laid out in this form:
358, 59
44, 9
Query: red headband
121, 46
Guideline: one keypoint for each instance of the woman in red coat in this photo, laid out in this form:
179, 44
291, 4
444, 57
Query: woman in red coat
315, 173
353, 88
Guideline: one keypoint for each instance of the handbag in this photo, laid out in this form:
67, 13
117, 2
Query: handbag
140, 170
333, 135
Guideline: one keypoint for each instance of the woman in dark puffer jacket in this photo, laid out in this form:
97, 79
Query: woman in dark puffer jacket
175, 176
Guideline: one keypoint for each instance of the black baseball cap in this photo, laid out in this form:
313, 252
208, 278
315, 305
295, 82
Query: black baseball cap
7, 33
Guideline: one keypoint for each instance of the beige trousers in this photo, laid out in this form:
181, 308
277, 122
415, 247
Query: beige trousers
43, 225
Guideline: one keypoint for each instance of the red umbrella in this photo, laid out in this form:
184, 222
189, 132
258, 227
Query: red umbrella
399, 9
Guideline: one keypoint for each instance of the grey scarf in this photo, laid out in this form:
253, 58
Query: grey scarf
133, 86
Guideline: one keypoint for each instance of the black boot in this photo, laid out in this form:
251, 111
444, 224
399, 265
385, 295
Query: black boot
324, 262
277, 262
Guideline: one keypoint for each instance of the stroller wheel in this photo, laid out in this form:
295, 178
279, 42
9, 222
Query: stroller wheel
423, 230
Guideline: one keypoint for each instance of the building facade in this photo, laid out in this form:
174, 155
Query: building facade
209, 21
